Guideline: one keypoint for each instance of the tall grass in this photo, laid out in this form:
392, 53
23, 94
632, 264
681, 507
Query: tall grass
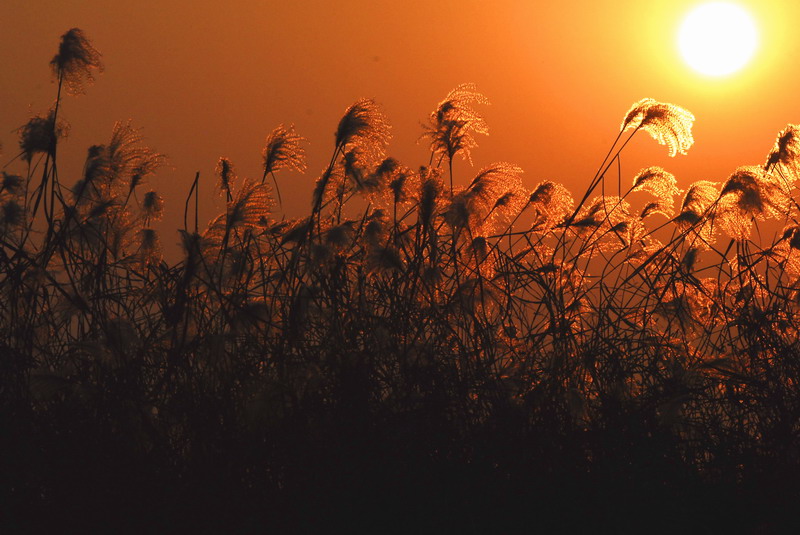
495, 350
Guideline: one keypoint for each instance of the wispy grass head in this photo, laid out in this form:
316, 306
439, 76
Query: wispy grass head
365, 127
283, 150
12, 184
226, 176
454, 122
668, 124
76, 61
149, 246
696, 216
659, 183
252, 205
130, 161
758, 192
786, 151
152, 206
552, 203
41, 134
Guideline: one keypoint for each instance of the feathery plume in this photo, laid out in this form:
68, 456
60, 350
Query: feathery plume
695, 216
430, 194
668, 124
283, 150
403, 184
494, 193
453, 124
660, 183
552, 203
128, 160
41, 134
150, 248
364, 127
13, 184
758, 193
375, 182
226, 175
75, 62
786, 152
152, 206
252, 205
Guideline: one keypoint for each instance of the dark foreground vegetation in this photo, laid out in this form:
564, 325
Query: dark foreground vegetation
421, 354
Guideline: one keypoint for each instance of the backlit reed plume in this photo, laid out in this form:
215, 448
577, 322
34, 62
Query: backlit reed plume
403, 185
479, 252
12, 184
340, 236
660, 183
12, 214
452, 126
128, 160
364, 127
152, 206
150, 246
431, 198
751, 193
226, 177
381, 259
668, 124
786, 153
329, 186
695, 216
76, 61
283, 150
376, 182
495, 192
552, 203
758, 193
41, 134
252, 205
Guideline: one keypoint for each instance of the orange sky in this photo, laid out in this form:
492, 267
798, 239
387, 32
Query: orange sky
205, 81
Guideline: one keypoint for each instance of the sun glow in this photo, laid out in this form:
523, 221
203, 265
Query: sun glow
717, 38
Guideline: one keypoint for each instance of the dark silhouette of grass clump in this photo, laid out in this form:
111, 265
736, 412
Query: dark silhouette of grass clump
438, 358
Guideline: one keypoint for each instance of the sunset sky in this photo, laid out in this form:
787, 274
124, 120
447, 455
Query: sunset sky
205, 79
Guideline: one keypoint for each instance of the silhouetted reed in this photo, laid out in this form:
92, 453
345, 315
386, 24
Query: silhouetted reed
499, 347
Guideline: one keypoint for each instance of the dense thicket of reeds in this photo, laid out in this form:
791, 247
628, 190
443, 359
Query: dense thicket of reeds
416, 355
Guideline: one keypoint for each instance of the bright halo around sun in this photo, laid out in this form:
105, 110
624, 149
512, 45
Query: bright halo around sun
717, 38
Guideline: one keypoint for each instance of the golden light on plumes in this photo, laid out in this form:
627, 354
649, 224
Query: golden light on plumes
668, 124
75, 62
451, 127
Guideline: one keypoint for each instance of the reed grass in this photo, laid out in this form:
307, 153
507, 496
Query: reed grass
439, 355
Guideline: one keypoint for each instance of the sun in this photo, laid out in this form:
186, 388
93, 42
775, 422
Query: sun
717, 38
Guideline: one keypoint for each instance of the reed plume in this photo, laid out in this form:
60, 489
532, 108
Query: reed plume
786, 153
226, 177
494, 193
283, 150
41, 134
453, 124
668, 124
152, 206
696, 215
75, 63
252, 205
364, 127
660, 183
128, 160
552, 203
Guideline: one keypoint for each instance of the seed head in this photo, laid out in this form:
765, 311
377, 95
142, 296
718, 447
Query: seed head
283, 150
668, 124
40, 134
75, 62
